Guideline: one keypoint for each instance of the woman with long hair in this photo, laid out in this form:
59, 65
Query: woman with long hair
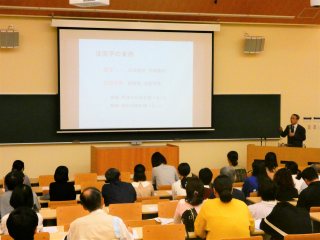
286, 190
143, 187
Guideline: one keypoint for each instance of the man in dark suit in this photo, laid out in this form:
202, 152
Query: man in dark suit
295, 132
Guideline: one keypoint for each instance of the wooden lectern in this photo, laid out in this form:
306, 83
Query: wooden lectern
125, 158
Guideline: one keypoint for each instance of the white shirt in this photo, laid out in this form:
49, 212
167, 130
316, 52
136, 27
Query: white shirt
177, 189
261, 209
298, 184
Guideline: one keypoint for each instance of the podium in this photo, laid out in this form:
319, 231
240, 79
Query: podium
125, 158
300, 155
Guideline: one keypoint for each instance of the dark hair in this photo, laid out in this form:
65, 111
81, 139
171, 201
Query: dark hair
293, 167
22, 223
229, 172
270, 161
205, 175
195, 191
139, 173
309, 174
22, 197
223, 186
158, 159
61, 174
267, 189
18, 165
184, 170
112, 175
233, 158
13, 179
283, 179
91, 199
258, 169
296, 115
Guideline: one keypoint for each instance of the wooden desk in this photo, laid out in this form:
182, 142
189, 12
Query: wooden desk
163, 193
254, 200
315, 216
40, 190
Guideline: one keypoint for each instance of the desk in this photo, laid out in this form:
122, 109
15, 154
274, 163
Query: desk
315, 216
40, 190
254, 200
163, 193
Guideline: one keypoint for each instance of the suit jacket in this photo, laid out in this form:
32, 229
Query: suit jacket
118, 192
310, 196
297, 139
62, 191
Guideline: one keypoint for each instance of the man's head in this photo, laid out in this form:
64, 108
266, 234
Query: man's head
229, 172
18, 165
233, 158
158, 159
294, 118
13, 179
309, 175
205, 175
22, 223
112, 175
91, 199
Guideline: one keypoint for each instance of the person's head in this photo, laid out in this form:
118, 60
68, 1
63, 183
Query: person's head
309, 175
22, 223
112, 175
22, 197
194, 190
18, 165
139, 173
222, 186
316, 167
205, 175
270, 161
13, 179
268, 190
294, 118
184, 171
283, 179
233, 158
229, 172
292, 167
91, 199
158, 159
61, 174
258, 169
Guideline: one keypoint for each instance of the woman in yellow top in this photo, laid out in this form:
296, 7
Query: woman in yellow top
223, 217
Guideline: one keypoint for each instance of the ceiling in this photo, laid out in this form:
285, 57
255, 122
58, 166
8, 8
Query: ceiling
254, 11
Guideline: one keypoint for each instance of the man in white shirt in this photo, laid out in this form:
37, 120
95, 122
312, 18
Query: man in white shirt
97, 224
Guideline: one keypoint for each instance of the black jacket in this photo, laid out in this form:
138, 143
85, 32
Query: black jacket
297, 139
310, 196
118, 192
62, 191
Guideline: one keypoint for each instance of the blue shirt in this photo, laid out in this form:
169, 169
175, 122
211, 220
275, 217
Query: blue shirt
250, 185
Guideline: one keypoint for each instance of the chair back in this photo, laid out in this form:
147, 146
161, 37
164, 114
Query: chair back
253, 194
179, 197
125, 177
96, 184
79, 178
55, 204
154, 201
315, 209
245, 238
45, 180
164, 187
160, 232
140, 223
37, 236
140, 199
167, 209
238, 184
126, 211
67, 214
311, 236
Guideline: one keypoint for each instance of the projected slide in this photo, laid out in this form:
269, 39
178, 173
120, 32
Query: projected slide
135, 83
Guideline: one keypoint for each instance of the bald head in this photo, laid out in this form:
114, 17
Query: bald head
91, 199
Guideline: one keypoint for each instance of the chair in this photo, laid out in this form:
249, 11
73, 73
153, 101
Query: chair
160, 232
67, 214
238, 184
126, 211
179, 197
79, 178
140, 223
45, 180
253, 194
164, 187
140, 199
37, 236
167, 209
315, 209
312, 236
55, 204
154, 201
125, 177
245, 238
95, 184
215, 172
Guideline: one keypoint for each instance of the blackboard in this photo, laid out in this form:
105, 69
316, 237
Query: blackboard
35, 119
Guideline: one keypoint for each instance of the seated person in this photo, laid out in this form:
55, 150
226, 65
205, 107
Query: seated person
61, 189
241, 173
194, 198
294, 170
162, 174
310, 196
289, 219
271, 164
304, 185
230, 172
179, 187
286, 189
21, 197
98, 224
205, 175
143, 188
267, 192
18, 165
22, 223
11, 180
116, 191
223, 217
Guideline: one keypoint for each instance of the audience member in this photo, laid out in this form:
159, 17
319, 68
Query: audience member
241, 173
179, 187
224, 216
294, 170
143, 188
194, 198
304, 185
19, 166
162, 174
116, 191
205, 175
267, 192
21, 197
310, 196
22, 223
11, 180
97, 224
251, 184
231, 174
61, 189
286, 189
271, 164
287, 218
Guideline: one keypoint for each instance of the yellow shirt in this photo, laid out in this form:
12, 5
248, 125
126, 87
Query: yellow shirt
218, 220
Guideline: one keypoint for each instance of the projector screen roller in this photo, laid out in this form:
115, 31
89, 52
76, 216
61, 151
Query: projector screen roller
135, 80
